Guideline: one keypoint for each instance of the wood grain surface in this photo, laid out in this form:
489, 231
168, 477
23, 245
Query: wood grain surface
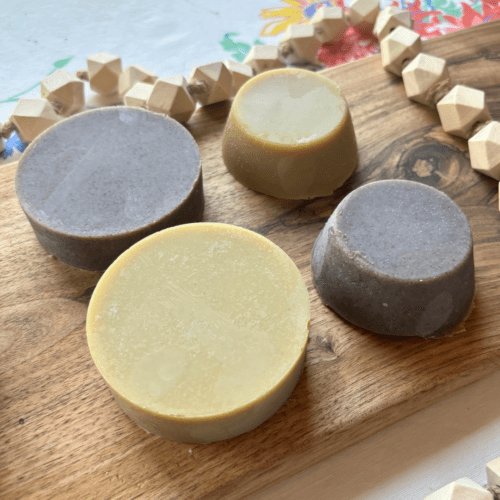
62, 435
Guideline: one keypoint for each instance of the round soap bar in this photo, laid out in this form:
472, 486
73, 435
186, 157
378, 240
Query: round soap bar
96, 183
396, 258
290, 135
200, 331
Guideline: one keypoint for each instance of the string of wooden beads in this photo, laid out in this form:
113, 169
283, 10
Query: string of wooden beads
62, 94
462, 110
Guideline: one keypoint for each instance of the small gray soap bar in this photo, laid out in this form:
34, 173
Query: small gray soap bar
396, 258
94, 184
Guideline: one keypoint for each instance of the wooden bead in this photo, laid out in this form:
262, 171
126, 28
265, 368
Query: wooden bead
484, 149
400, 46
138, 95
32, 116
460, 109
329, 24
170, 96
264, 57
134, 74
362, 14
210, 83
103, 72
426, 79
240, 72
389, 19
6, 129
493, 470
64, 91
461, 489
299, 44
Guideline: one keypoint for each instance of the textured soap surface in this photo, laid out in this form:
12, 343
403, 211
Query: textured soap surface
200, 330
396, 258
290, 135
108, 175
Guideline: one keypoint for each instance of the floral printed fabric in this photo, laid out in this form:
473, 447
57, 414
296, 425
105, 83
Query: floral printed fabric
431, 18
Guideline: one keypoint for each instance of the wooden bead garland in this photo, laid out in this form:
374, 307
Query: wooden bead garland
175, 96
62, 94
462, 110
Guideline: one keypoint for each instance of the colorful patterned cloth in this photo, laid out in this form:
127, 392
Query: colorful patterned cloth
431, 18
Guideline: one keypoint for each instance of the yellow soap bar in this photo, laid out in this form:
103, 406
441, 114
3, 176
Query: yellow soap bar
200, 331
290, 135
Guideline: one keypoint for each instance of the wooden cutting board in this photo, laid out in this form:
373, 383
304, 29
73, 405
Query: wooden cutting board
62, 435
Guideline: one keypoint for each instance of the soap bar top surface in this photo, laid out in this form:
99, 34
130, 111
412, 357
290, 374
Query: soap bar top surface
405, 230
107, 171
291, 108
198, 321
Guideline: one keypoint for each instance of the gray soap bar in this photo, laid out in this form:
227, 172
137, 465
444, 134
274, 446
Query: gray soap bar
396, 258
98, 182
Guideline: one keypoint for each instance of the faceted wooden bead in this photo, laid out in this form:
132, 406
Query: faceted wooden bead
362, 14
134, 74
329, 24
399, 46
240, 72
493, 469
425, 78
64, 91
484, 149
170, 96
264, 57
299, 44
213, 83
460, 109
389, 19
104, 71
461, 489
138, 95
32, 116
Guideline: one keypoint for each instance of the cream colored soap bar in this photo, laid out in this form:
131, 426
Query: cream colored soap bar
200, 331
290, 135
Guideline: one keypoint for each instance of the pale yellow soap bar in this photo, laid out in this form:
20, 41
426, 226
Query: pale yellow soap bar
290, 135
200, 331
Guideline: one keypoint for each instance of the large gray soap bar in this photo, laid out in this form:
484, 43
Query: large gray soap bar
98, 182
396, 258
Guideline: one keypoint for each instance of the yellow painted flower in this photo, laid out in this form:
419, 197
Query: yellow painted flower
294, 12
